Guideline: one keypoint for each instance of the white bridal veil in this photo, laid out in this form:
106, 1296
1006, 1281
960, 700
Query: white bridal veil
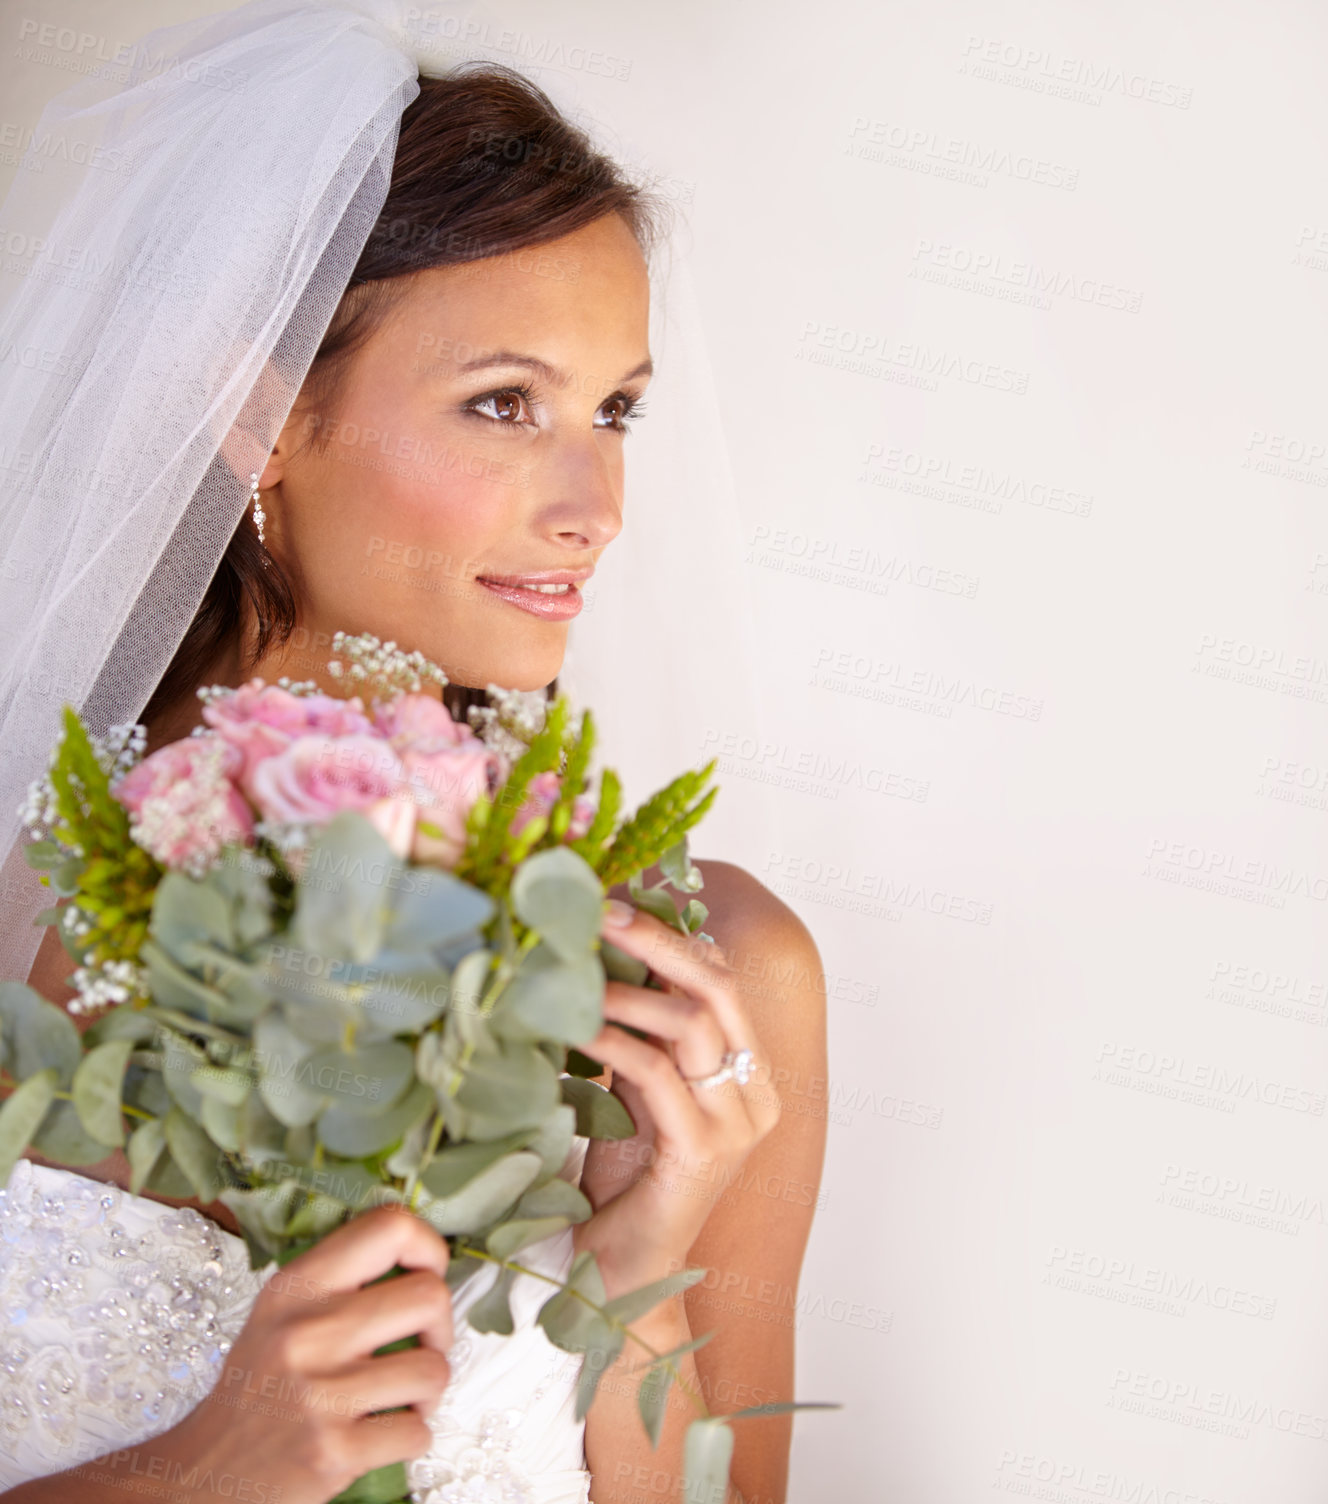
187, 221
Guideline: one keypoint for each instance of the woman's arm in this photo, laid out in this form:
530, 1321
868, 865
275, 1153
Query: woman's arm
755, 1235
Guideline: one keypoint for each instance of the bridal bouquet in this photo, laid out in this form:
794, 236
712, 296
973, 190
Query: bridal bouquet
341, 953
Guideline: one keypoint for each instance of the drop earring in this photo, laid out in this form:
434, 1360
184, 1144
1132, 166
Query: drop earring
260, 516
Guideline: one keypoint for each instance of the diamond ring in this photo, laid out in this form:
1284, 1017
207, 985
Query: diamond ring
732, 1067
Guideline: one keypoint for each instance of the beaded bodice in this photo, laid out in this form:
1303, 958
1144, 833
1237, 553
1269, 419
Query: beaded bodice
119, 1311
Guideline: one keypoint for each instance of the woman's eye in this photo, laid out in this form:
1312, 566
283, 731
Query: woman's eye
506, 406
622, 410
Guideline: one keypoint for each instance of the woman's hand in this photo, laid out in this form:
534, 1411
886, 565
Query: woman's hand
291, 1410
652, 1193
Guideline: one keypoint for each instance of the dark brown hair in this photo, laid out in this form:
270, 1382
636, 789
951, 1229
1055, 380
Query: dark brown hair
485, 165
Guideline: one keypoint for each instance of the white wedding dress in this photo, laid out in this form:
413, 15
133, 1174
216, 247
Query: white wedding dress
119, 1311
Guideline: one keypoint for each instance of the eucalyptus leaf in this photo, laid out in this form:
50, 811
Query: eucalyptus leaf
678, 867
653, 1393
347, 1182
96, 1089
166, 1178
186, 910
173, 985
180, 1059
599, 1114
520, 1233
263, 1212
553, 1141
63, 1138
364, 1080
635, 1303
195, 1153
221, 1122
404, 994
222, 1083
242, 877
318, 1216
120, 1023
568, 1322
657, 902
694, 915
555, 1198
552, 998
437, 910
557, 893
145, 1089
21, 1116
492, 1312
261, 1134
143, 1150
598, 1359
344, 896
483, 1197
43, 854
285, 1085
470, 980
457, 1165
620, 966
512, 1086
355, 1134
36, 1035
707, 1450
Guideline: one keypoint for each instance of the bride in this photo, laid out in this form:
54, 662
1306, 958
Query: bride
354, 348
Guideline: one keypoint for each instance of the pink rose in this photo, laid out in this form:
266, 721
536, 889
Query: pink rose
541, 795
183, 803
421, 722
316, 776
264, 719
446, 785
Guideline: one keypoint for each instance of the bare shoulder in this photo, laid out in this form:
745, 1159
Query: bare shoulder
777, 967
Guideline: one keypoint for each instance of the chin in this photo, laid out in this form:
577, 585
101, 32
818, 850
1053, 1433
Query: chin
514, 674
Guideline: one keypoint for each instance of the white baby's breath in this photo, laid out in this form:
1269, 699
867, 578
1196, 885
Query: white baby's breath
107, 985
383, 665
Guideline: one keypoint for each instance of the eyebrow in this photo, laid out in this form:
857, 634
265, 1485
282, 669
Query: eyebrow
541, 367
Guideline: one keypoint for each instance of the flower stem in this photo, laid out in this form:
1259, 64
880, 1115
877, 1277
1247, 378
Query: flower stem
477, 1253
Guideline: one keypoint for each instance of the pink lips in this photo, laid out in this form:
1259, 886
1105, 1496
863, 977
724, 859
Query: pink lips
561, 607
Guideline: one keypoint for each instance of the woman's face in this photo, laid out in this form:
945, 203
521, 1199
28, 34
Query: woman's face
477, 436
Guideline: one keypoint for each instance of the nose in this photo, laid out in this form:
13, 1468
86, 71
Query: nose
583, 490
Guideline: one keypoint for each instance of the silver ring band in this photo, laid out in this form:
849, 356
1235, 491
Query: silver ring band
733, 1066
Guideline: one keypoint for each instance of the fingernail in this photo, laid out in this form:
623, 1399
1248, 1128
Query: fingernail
618, 913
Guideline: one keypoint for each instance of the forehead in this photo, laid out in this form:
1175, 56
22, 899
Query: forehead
589, 286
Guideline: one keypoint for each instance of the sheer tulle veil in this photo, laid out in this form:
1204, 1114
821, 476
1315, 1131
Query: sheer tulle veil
168, 275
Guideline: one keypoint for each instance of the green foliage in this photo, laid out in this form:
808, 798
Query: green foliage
368, 1030
92, 857
657, 827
